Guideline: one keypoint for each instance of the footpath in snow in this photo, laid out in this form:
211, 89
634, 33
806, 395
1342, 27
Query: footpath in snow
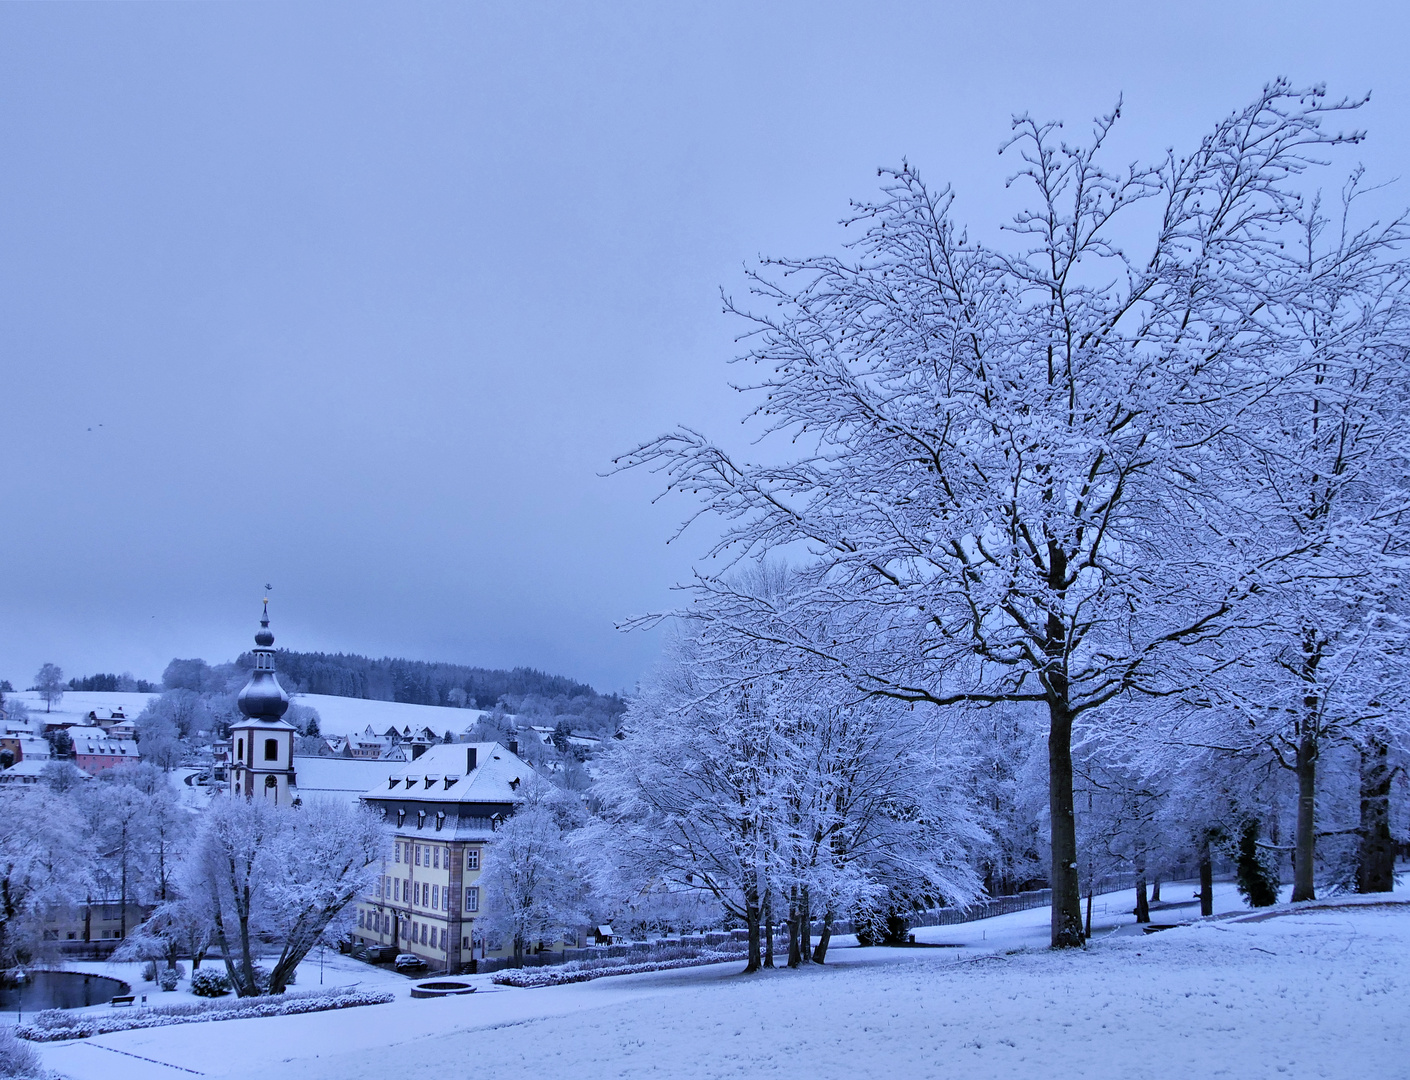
1318, 992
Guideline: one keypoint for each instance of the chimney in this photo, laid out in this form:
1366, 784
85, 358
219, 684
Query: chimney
470, 759
417, 749
514, 747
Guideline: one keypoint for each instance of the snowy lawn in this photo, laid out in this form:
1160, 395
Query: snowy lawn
1316, 993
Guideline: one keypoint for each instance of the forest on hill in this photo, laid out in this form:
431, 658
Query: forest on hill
522, 691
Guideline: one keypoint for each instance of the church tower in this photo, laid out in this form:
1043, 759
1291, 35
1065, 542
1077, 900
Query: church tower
262, 745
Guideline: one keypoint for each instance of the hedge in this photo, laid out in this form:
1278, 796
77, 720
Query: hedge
55, 1025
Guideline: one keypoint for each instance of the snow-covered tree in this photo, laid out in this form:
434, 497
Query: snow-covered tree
279, 874
774, 787
1019, 475
42, 865
50, 684
327, 855
1328, 663
533, 890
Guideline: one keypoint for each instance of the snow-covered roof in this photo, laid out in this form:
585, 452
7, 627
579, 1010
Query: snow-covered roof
30, 769
87, 740
441, 775
336, 777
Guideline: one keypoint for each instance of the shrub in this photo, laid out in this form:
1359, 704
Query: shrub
209, 983
17, 1059
168, 978
149, 971
54, 1025
559, 977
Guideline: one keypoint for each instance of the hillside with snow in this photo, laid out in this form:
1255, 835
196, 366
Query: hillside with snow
348, 716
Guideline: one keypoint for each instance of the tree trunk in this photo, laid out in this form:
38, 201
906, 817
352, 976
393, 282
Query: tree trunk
1155, 889
769, 929
1091, 891
1143, 908
1375, 867
1067, 893
122, 900
824, 938
805, 927
1206, 879
752, 919
794, 955
1305, 844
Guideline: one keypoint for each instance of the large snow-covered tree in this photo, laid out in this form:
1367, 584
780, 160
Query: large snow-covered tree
279, 874
1019, 474
532, 889
776, 787
42, 866
1328, 664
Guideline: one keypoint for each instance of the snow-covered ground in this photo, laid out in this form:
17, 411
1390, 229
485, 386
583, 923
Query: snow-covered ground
1317, 992
346, 716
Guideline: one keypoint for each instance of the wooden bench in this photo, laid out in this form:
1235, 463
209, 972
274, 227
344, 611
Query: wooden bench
124, 999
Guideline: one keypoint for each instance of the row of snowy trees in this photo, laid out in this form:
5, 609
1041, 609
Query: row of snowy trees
242, 875
1142, 469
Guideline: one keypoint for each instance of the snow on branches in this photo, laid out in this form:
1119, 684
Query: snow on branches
1046, 473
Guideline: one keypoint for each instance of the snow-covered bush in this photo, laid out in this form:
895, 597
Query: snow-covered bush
560, 976
168, 978
210, 983
54, 1025
16, 1058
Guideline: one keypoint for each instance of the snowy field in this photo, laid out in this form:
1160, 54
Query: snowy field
1315, 993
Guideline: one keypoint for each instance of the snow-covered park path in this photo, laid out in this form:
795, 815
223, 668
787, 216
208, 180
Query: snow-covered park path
1318, 993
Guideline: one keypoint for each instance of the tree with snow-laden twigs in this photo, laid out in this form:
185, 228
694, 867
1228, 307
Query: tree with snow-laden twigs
1330, 665
777, 789
42, 866
531, 886
1049, 473
286, 875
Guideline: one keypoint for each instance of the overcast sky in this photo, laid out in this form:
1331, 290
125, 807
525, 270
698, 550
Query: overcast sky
360, 300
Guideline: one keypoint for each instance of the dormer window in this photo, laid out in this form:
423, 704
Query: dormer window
440, 820
392, 782
421, 819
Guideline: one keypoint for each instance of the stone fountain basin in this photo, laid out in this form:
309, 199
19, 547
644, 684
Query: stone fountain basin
437, 988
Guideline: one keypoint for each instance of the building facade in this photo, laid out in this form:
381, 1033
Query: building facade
94, 751
442, 809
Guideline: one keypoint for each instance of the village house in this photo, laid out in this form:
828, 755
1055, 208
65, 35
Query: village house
95, 752
25, 747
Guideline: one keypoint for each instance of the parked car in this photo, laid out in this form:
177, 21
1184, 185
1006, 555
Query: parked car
409, 962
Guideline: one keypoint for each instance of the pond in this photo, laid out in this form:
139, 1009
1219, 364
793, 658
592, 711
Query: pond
59, 990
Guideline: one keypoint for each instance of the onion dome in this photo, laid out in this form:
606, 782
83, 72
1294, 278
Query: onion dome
263, 698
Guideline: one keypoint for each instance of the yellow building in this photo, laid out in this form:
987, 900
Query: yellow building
442, 808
